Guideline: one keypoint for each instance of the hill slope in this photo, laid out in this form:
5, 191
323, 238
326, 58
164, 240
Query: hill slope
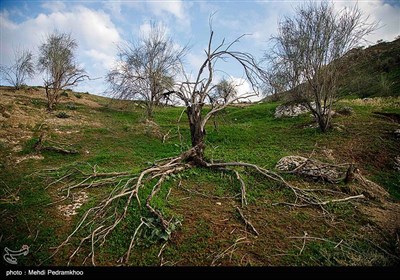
370, 72
116, 137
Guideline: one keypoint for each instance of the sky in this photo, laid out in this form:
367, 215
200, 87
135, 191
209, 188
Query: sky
99, 26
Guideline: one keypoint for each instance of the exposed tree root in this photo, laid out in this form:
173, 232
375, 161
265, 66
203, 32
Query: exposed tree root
102, 219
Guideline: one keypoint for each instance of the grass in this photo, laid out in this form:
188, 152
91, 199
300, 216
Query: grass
206, 226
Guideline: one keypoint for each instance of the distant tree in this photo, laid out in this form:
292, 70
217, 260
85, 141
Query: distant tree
22, 68
307, 48
146, 68
224, 91
57, 60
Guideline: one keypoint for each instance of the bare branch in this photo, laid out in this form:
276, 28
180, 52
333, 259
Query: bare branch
56, 59
145, 69
247, 222
22, 68
305, 57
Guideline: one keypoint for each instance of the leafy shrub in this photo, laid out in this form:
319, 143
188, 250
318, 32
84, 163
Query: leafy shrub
29, 146
62, 115
78, 95
346, 111
37, 102
64, 94
71, 106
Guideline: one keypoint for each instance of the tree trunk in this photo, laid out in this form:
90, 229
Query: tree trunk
50, 99
350, 174
322, 117
196, 133
322, 123
149, 110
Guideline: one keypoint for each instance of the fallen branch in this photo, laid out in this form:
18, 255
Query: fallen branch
337, 244
133, 239
39, 146
247, 222
59, 150
343, 199
230, 250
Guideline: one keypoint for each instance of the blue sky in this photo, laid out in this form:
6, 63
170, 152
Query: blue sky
98, 26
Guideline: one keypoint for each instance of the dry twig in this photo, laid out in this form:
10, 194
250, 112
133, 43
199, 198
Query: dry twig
247, 222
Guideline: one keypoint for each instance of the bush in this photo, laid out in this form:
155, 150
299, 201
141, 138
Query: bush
29, 146
64, 94
346, 111
71, 106
24, 87
62, 115
37, 102
78, 95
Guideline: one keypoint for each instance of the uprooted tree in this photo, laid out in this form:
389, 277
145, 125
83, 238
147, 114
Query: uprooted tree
307, 49
107, 215
145, 69
57, 60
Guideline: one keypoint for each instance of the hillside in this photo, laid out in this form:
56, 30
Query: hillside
367, 72
371, 72
115, 137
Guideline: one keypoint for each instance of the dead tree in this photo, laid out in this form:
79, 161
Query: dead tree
195, 93
307, 52
145, 69
22, 68
103, 218
56, 59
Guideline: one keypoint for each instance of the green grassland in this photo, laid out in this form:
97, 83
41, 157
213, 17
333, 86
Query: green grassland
115, 137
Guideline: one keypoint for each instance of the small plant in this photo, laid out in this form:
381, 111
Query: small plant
64, 94
24, 86
62, 115
385, 85
78, 95
153, 233
346, 111
36, 102
71, 106
29, 146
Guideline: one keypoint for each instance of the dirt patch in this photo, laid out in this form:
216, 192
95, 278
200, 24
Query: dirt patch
34, 157
385, 215
69, 210
391, 116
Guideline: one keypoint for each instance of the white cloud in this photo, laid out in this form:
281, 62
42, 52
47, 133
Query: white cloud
145, 28
194, 61
178, 9
244, 89
387, 15
103, 60
93, 30
173, 7
54, 6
